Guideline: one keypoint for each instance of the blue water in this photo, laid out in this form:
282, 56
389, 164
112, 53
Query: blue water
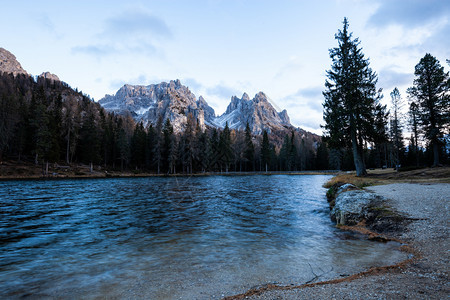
166, 238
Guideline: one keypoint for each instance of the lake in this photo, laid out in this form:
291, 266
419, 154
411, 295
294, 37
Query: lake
173, 237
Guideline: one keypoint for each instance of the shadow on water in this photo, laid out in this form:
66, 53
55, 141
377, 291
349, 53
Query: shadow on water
172, 237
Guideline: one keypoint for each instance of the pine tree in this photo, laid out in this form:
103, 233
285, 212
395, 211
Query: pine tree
169, 153
42, 137
225, 149
381, 136
431, 93
350, 98
414, 125
239, 149
213, 150
266, 151
202, 154
9, 117
396, 126
89, 145
138, 143
150, 147
249, 153
288, 153
158, 146
322, 157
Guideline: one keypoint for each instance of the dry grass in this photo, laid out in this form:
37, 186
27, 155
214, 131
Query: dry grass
349, 178
386, 176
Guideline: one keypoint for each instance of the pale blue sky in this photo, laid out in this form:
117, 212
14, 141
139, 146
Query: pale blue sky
223, 48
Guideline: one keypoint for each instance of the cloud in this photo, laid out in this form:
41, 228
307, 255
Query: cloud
192, 84
310, 97
439, 42
47, 24
388, 77
94, 50
131, 32
293, 65
118, 83
305, 108
222, 91
136, 22
410, 13
310, 121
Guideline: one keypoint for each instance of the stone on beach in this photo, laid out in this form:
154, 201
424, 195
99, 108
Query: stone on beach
353, 206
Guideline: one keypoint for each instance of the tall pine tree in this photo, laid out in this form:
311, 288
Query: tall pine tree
265, 151
396, 126
350, 98
249, 152
431, 92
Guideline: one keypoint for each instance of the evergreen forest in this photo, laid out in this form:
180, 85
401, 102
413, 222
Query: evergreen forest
47, 122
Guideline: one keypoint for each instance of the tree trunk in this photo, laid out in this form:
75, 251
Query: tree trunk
357, 156
435, 153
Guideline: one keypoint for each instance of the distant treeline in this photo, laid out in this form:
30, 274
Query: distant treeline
47, 121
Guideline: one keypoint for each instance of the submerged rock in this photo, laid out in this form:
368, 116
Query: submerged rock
353, 206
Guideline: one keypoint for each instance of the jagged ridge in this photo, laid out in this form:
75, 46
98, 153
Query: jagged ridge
174, 101
169, 100
258, 112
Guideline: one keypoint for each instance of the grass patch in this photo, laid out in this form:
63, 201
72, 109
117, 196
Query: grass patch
341, 179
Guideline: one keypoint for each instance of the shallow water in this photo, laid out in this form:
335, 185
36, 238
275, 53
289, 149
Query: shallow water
170, 238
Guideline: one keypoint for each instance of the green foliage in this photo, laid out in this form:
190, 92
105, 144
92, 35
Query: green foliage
225, 150
249, 153
351, 98
266, 151
430, 92
138, 146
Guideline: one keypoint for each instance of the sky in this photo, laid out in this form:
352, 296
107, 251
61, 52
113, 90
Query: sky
222, 48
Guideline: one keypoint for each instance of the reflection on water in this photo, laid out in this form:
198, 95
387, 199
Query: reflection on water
164, 238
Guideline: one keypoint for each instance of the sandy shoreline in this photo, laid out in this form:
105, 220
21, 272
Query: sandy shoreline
423, 277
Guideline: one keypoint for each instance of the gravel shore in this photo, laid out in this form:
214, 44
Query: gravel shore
426, 277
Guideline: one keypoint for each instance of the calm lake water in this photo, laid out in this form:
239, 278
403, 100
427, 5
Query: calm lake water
170, 238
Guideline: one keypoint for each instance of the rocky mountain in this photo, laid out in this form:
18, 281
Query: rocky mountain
258, 112
175, 101
9, 63
50, 76
171, 100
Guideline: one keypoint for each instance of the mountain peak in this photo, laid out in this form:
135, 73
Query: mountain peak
9, 63
176, 102
172, 101
257, 112
50, 76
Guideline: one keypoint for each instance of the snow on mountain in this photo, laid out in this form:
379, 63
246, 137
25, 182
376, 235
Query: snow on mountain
258, 112
174, 101
171, 100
